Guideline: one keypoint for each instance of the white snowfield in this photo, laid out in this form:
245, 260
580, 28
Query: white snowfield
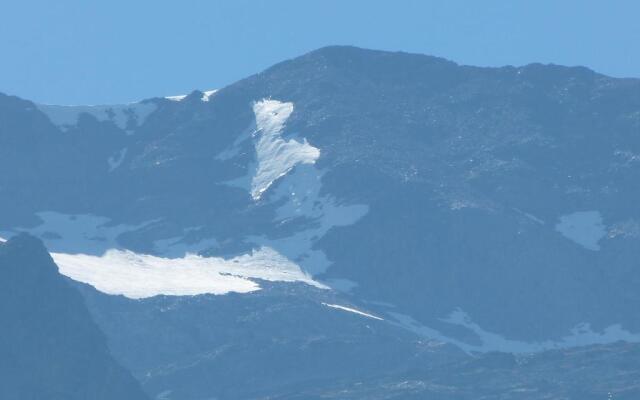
137, 276
352, 310
276, 156
86, 249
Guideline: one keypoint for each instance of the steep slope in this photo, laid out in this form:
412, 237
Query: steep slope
49, 346
284, 338
540, 157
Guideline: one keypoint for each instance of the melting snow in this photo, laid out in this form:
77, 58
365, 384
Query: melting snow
179, 97
341, 284
206, 95
352, 310
580, 335
86, 249
276, 156
301, 192
121, 272
115, 160
584, 228
298, 192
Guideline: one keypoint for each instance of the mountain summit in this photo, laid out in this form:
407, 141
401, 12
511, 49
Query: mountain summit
492, 209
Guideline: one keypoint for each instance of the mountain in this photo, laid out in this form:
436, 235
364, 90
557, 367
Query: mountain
585, 373
346, 204
281, 340
50, 348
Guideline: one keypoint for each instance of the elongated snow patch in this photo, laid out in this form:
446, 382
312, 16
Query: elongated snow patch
276, 156
178, 97
206, 95
584, 228
352, 310
121, 272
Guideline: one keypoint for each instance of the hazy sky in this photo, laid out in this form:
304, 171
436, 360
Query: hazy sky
109, 51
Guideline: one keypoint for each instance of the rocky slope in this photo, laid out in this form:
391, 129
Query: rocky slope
50, 348
493, 209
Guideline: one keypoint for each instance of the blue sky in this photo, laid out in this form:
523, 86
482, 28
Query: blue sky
91, 52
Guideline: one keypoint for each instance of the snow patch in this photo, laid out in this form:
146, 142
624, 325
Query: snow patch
580, 335
276, 156
352, 310
341, 284
302, 201
301, 205
584, 228
86, 249
115, 160
179, 97
206, 95
530, 216
136, 276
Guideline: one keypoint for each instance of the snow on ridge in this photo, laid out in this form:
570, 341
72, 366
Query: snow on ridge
206, 95
178, 97
120, 114
275, 155
137, 276
352, 310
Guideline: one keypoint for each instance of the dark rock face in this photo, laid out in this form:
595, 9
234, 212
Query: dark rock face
281, 339
598, 372
50, 348
493, 208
